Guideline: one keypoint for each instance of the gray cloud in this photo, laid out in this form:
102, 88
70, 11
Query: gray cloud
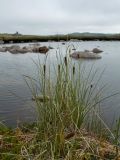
59, 16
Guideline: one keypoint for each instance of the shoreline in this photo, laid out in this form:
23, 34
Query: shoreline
87, 145
9, 38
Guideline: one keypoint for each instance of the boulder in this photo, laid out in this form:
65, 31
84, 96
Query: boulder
21, 50
6, 48
85, 55
43, 49
27, 48
74, 55
3, 49
96, 50
13, 51
35, 49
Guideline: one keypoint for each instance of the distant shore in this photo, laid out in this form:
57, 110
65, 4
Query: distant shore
12, 38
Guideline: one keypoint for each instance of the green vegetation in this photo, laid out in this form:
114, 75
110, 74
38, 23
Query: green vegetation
68, 122
7, 38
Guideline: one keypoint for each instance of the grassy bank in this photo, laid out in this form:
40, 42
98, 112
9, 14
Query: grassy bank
8, 38
68, 124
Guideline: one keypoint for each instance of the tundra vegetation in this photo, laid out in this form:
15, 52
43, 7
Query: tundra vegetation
68, 124
13, 38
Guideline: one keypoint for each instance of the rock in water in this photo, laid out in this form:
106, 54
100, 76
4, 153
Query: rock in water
21, 50
3, 49
85, 55
75, 55
15, 49
96, 50
41, 98
43, 49
27, 48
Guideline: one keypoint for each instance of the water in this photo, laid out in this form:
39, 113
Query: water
15, 96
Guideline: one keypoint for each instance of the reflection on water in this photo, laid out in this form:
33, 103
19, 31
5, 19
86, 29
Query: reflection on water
15, 97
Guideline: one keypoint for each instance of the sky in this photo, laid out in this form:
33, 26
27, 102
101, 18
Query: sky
44, 17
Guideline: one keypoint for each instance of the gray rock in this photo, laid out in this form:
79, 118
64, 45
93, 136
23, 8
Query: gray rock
13, 51
35, 49
75, 55
14, 47
27, 48
96, 50
43, 49
21, 50
85, 55
17, 51
3, 50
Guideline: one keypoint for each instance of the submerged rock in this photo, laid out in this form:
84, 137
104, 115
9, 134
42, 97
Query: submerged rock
41, 98
85, 55
15, 49
96, 50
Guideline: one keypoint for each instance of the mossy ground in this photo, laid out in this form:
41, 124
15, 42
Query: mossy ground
23, 144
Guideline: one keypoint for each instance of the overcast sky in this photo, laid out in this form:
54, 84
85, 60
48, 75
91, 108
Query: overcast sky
59, 16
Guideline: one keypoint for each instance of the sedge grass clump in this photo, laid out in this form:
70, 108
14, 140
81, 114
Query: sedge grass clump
66, 102
68, 123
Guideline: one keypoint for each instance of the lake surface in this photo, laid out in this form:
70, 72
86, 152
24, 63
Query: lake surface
15, 96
